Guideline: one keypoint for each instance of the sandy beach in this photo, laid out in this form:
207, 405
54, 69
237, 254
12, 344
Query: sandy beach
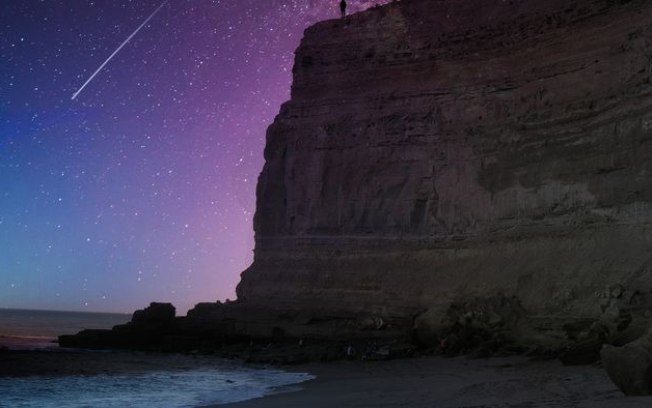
452, 383
460, 382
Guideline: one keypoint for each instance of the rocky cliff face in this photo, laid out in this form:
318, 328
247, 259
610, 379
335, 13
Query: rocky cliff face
437, 150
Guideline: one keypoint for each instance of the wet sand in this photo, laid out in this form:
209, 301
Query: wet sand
434, 382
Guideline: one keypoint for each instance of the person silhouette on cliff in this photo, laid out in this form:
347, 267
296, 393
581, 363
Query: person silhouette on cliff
343, 8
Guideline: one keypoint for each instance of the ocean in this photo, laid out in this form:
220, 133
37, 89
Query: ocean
217, 383
28, 329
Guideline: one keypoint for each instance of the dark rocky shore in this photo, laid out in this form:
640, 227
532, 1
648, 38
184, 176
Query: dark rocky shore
481, 330
203, 332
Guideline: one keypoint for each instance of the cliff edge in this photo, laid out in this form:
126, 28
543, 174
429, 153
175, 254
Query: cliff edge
436, 151
461, 174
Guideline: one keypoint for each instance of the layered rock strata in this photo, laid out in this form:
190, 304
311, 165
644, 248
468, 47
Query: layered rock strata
435, 151
455, 172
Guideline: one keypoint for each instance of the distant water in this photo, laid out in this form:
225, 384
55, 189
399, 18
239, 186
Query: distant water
38, 328
29, 329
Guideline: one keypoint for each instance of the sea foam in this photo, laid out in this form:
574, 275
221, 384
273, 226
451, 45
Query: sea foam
158, 389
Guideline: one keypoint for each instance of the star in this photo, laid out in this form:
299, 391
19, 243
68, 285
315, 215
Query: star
152, 167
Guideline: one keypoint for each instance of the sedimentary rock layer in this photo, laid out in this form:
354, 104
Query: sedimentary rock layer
438, 150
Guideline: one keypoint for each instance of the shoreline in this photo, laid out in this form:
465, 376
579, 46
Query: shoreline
120, 378
420, 382
441, 382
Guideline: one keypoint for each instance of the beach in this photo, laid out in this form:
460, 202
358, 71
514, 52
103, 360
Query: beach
431, 381
437, 382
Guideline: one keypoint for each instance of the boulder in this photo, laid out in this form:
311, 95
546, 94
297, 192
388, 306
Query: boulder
428, 327
630, 366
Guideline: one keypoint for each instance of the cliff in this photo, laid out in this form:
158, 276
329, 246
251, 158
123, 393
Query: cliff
455, 172
438, 151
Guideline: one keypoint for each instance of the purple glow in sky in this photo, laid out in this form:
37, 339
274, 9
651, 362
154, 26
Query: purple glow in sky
142, 188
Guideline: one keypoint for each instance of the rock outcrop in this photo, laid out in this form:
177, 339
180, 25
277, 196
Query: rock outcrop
435, 151
233, 330
148, 327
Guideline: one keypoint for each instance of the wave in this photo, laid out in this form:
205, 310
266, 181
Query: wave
162, 389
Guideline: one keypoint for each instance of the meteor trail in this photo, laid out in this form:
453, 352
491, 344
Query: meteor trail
118, 50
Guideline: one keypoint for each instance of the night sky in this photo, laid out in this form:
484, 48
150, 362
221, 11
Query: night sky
142, 188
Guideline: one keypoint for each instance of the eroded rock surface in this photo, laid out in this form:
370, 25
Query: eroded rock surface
490, 154
437, 151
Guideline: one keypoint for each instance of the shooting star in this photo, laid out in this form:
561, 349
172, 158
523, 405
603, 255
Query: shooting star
118, 49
